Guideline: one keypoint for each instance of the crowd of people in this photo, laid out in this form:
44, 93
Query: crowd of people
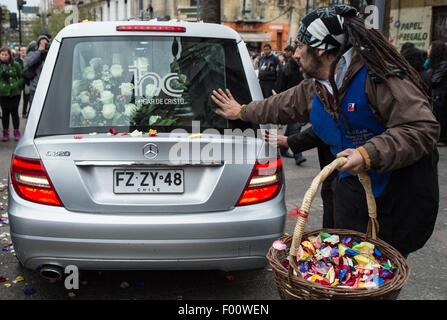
19, 74
432, 67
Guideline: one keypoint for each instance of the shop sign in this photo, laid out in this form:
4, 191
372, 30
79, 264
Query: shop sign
411, 25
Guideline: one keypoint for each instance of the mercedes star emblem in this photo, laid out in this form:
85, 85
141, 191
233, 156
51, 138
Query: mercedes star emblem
150, 151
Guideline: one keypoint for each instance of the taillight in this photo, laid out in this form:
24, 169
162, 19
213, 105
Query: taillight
31, 181
151, 28
264, 183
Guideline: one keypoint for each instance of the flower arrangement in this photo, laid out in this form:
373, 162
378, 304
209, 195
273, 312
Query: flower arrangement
103, 96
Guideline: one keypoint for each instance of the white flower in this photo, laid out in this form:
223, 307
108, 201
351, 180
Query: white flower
116, 70
88, 113
153, 119
150, 90
106, 97
89, 73
108, 111
84, 97
75, 87
127, 88
129, 109
75, 109
98, 85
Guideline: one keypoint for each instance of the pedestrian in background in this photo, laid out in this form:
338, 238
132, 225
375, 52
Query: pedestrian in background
11, 84
282, 60
415, 58
33, 64
20, 58
406, 46
268, 68
436, 80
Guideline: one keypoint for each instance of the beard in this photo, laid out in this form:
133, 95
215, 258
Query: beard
313, 68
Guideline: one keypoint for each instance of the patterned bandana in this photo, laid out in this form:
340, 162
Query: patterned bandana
323, 28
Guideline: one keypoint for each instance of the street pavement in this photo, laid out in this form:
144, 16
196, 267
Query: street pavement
428, 278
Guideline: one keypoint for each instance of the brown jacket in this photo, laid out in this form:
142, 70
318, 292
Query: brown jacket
411, 128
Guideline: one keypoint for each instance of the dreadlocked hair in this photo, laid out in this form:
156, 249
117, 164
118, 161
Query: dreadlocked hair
380, 57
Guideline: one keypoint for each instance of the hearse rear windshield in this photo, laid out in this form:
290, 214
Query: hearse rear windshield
141, 82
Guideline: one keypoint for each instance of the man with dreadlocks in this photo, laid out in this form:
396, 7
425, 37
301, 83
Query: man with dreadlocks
369, 105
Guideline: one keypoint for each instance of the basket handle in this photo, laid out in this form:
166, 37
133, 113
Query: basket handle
373, 225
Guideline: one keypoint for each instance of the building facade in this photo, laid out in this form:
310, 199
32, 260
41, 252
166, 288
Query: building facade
258, 21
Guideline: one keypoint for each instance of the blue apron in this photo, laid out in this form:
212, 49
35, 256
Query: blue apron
363, 124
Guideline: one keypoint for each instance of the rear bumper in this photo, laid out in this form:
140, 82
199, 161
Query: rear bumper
230, 240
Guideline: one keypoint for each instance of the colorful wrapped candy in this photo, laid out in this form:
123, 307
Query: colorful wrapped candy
342, 249
324, 252
364, 247
302, 255
330, 275
377, 252
362, 259
316, 241
308, 247
279, 245
324, 236
351, 252
342, 262
333, 239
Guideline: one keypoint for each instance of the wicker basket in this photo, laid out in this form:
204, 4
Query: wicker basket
291, 285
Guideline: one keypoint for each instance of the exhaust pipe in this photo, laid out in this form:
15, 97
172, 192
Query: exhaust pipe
51, 272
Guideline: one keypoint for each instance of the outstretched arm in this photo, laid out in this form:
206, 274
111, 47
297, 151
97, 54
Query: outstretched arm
290, 106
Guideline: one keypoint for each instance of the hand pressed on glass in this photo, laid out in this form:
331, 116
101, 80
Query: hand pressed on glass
228, 107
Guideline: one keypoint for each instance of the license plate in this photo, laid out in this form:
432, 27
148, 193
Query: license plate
148, 181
